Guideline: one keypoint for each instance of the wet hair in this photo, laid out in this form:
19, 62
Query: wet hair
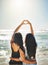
31, 45
17, 39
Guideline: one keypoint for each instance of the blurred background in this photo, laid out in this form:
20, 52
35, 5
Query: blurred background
12, 13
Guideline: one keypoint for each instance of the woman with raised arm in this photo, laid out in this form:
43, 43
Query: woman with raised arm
31, 44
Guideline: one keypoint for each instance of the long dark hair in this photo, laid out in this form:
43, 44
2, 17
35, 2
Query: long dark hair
17, 39
31, 45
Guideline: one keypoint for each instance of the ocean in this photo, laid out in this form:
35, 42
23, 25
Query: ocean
41, 53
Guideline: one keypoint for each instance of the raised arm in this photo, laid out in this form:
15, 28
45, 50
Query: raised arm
16, 30
19, 26
31, 28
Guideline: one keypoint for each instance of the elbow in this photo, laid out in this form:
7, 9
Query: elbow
23, 59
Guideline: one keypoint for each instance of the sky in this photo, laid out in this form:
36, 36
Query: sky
13, 12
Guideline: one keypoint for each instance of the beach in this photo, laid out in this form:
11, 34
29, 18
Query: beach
41, 53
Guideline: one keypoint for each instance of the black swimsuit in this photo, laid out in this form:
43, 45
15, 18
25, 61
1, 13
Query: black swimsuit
15, 55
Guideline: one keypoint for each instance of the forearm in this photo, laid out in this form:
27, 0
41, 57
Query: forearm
24, 60
29, 61
15, 59
15, 31
17, 28
31, 28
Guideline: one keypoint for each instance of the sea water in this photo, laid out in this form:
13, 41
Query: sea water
41, 53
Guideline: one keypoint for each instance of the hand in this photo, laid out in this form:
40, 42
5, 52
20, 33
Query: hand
22, 22
11, 58
20, 59
25, 22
